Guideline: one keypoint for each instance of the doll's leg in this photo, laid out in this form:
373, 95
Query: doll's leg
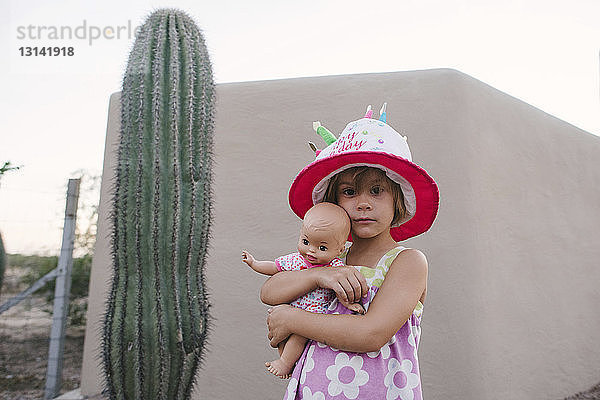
292, 350
281, 346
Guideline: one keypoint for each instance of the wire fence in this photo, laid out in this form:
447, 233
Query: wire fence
25, 328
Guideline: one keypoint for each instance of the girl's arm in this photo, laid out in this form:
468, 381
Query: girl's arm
286, 286
395, 301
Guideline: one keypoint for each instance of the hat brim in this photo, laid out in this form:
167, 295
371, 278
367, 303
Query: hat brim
425, 188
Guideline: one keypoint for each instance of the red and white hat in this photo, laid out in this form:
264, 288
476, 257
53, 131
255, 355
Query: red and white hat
373, 143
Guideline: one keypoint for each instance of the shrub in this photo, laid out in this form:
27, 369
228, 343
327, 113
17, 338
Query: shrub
38, 266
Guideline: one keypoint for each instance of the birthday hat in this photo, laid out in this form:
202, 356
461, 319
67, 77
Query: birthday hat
373, 143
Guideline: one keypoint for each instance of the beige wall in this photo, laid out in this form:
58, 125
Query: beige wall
513, 285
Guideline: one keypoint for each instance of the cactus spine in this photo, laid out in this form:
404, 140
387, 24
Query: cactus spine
157, 312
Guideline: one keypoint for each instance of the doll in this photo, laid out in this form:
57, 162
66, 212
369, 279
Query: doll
323, 235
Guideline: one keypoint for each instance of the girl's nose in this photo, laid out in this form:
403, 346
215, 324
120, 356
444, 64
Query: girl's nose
363, 203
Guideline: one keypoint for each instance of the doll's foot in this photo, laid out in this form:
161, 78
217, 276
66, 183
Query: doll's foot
280, 368
356, 307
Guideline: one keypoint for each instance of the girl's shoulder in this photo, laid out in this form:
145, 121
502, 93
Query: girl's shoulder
401, 257
398, 255
411, 265
386, 258
407, 254
411, 259
389, 256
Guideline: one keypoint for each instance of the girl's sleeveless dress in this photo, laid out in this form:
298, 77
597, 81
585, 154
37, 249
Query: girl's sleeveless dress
323, 372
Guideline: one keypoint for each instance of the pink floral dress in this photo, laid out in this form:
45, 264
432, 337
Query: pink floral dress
392, 372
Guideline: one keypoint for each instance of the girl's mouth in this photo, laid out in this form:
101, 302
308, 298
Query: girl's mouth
363, 220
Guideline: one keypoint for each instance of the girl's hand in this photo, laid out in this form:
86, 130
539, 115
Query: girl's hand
348, 284
277, 320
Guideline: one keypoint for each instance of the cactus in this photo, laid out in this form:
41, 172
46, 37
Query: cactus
2, 262
157, 315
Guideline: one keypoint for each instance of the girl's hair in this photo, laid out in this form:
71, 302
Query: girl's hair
358, 176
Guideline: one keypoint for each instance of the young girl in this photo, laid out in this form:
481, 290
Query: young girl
368, 172
323, 235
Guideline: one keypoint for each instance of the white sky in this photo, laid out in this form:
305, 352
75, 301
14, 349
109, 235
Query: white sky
54, 109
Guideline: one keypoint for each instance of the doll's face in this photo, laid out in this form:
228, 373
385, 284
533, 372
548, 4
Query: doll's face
319, 246
324, 231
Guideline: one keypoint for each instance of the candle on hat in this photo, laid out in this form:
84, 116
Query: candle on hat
324, 133
382, 113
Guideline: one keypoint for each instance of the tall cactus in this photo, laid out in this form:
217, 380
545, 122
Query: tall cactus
157, 316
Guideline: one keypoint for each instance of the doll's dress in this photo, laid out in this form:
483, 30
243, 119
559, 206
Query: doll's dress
319, 299
392, 372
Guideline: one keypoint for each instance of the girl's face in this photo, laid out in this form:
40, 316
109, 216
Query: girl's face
370, 207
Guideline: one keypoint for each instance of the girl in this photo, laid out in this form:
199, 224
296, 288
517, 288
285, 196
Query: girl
368, 172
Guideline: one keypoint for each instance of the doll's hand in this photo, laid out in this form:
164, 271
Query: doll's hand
247, 258
348, 284
277, 323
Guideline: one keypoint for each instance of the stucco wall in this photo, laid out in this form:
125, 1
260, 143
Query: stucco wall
513, 256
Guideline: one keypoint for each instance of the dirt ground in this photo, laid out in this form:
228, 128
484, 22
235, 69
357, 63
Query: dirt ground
24, 338
23, 362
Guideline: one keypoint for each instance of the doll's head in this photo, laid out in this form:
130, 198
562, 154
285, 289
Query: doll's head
324, 231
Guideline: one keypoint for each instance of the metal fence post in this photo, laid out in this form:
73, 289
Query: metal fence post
61, 294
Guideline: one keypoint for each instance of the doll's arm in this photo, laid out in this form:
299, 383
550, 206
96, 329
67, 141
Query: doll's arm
263, 267
286, 286
395, 301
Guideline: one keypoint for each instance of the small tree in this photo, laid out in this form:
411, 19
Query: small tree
87, 212
5, 168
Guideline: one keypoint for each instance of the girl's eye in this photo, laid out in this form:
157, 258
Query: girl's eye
376, 190
348, 192
305, 242
322, 248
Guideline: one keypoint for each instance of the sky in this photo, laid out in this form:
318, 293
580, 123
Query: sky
54, 109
